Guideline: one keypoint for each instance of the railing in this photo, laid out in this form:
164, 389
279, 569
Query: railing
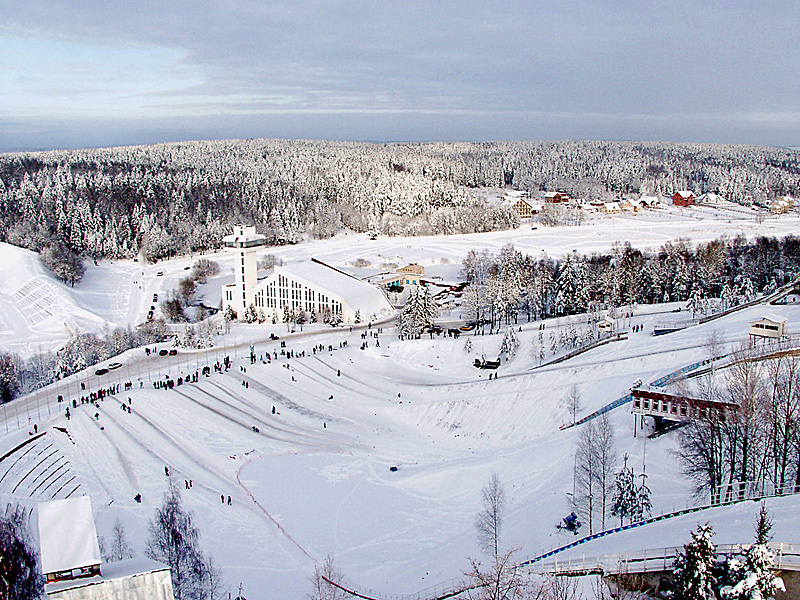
787, 556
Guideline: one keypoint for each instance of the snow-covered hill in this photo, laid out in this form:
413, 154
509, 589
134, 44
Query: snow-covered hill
38, 312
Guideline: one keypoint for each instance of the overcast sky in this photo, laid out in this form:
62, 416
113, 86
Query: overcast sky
78, 73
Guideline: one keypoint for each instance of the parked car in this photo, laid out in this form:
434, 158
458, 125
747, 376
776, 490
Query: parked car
467, 327
160, 273
163, 352
173, 352
101, 371
114, 365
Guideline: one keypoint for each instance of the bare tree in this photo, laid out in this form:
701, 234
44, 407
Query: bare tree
572, 402
561, 588
490, 518
502, 581
120, 547
325, 581
586, 466
606, 465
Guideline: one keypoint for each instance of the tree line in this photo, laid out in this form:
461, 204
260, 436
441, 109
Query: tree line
167, 199
709, 277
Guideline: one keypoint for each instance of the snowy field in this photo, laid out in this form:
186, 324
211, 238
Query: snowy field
315, 478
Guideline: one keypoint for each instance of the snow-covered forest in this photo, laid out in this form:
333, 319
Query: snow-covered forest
712, 276
174, 198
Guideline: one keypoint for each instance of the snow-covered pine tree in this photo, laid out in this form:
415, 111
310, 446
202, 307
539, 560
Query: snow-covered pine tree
694, 567
468, 346
510, 343
418, 312
250, 315
754, 578
229, 314
643, 504
357, 318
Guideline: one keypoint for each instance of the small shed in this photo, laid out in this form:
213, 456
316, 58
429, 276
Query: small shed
606, 325
768, 328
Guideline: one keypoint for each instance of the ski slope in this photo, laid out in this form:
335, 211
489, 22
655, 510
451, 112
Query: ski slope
315, 478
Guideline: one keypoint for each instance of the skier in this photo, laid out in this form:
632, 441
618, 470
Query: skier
166, 470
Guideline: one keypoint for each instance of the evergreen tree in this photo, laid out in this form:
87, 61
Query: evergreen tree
624, 501
694, 567
20, 575
754, 578
9, 381
250, 315
643, 504
510, 343
418, 312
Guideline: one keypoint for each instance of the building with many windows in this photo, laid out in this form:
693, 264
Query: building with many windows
313, 288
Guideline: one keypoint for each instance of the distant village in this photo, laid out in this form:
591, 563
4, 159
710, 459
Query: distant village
528, 206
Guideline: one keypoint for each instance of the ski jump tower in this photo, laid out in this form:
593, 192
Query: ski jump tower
245, 242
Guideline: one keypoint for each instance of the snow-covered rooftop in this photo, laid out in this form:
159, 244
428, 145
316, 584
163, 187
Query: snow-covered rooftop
360, 295
68, 535
122, 571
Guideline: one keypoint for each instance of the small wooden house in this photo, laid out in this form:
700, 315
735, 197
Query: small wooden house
556, 197
684, 198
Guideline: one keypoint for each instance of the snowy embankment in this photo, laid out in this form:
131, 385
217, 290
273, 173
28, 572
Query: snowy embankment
315, 478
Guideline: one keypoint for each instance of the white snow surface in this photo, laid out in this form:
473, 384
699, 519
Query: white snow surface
315, 478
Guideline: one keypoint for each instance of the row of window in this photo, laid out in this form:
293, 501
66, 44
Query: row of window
667, 407
295, 295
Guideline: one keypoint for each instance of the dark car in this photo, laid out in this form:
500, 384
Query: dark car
173, 352
101, 371
163, 353
272, 336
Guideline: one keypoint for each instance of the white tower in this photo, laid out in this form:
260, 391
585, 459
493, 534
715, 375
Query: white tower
244, 242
